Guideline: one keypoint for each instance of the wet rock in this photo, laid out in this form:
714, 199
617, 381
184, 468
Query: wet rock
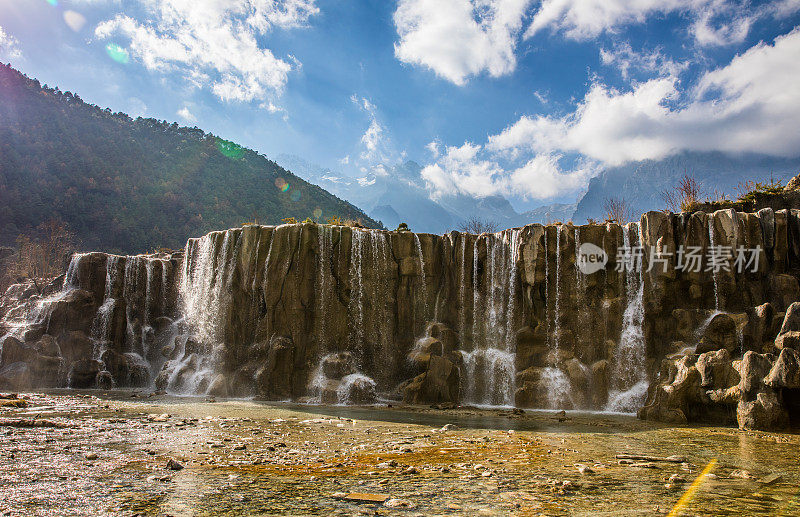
440, 383
173, 464
274, 380
104, 380
719, 334
785, 373
716, 370
12, 350
75, 344
765, 412
789, 334
218, 387
83, 373
16, 376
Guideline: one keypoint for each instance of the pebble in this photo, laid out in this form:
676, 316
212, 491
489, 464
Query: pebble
90, 456
173, 464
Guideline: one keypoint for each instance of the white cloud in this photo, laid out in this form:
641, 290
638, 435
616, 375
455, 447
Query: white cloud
214, 43
186, 115
458, 39
752, 104
371, 140
470, 170
433, 148
583, 19
628, 61
714, 27
9, 46
74, 20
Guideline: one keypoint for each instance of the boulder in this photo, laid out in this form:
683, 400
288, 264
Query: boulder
48, 346
764, 412
785, 373
357, 389
12, 350
104, 380
789, 334
337, 366
720, 333
752, 371
83, 373
74, 345
716, 370
440, 383
15, 377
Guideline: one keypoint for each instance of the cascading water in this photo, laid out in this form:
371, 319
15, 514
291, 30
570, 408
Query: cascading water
489, 369
369, 253
713, 273
422, 281
556, 383
629, 386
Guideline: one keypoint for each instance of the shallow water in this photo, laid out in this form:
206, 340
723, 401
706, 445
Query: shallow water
246, 457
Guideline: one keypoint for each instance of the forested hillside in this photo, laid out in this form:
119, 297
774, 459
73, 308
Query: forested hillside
126, 185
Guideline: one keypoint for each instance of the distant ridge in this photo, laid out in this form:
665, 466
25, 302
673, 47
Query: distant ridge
125, 185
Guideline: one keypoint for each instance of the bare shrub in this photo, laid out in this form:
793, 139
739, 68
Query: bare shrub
477, 226
684, 196
617, 210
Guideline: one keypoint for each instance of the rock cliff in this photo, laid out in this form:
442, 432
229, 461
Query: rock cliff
336, 314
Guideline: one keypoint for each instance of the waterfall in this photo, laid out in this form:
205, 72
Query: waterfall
557, 314
629, 374
345, 383
462, 312
355, 307
489, 369
423, 286
713, 273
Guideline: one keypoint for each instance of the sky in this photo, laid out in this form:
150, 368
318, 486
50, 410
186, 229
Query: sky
524, 98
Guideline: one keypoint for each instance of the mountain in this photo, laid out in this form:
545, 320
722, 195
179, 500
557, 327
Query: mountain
398, 194
642, 184
126, 185
551, 213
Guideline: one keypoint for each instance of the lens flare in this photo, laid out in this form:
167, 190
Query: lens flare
53, 2
230, 149
318, 213
117, 53
281, 184
295, 196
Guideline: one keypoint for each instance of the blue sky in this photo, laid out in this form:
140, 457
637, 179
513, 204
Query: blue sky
524, 98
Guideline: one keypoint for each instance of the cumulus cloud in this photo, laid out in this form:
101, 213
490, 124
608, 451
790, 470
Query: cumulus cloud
472, 171
583, 19
9, 46
214, 44
186, 115
752, 104
458, 39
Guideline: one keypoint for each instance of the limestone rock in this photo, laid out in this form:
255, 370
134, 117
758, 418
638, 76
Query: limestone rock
785, 373
440, 383
15, 377
765, 413
719, 334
